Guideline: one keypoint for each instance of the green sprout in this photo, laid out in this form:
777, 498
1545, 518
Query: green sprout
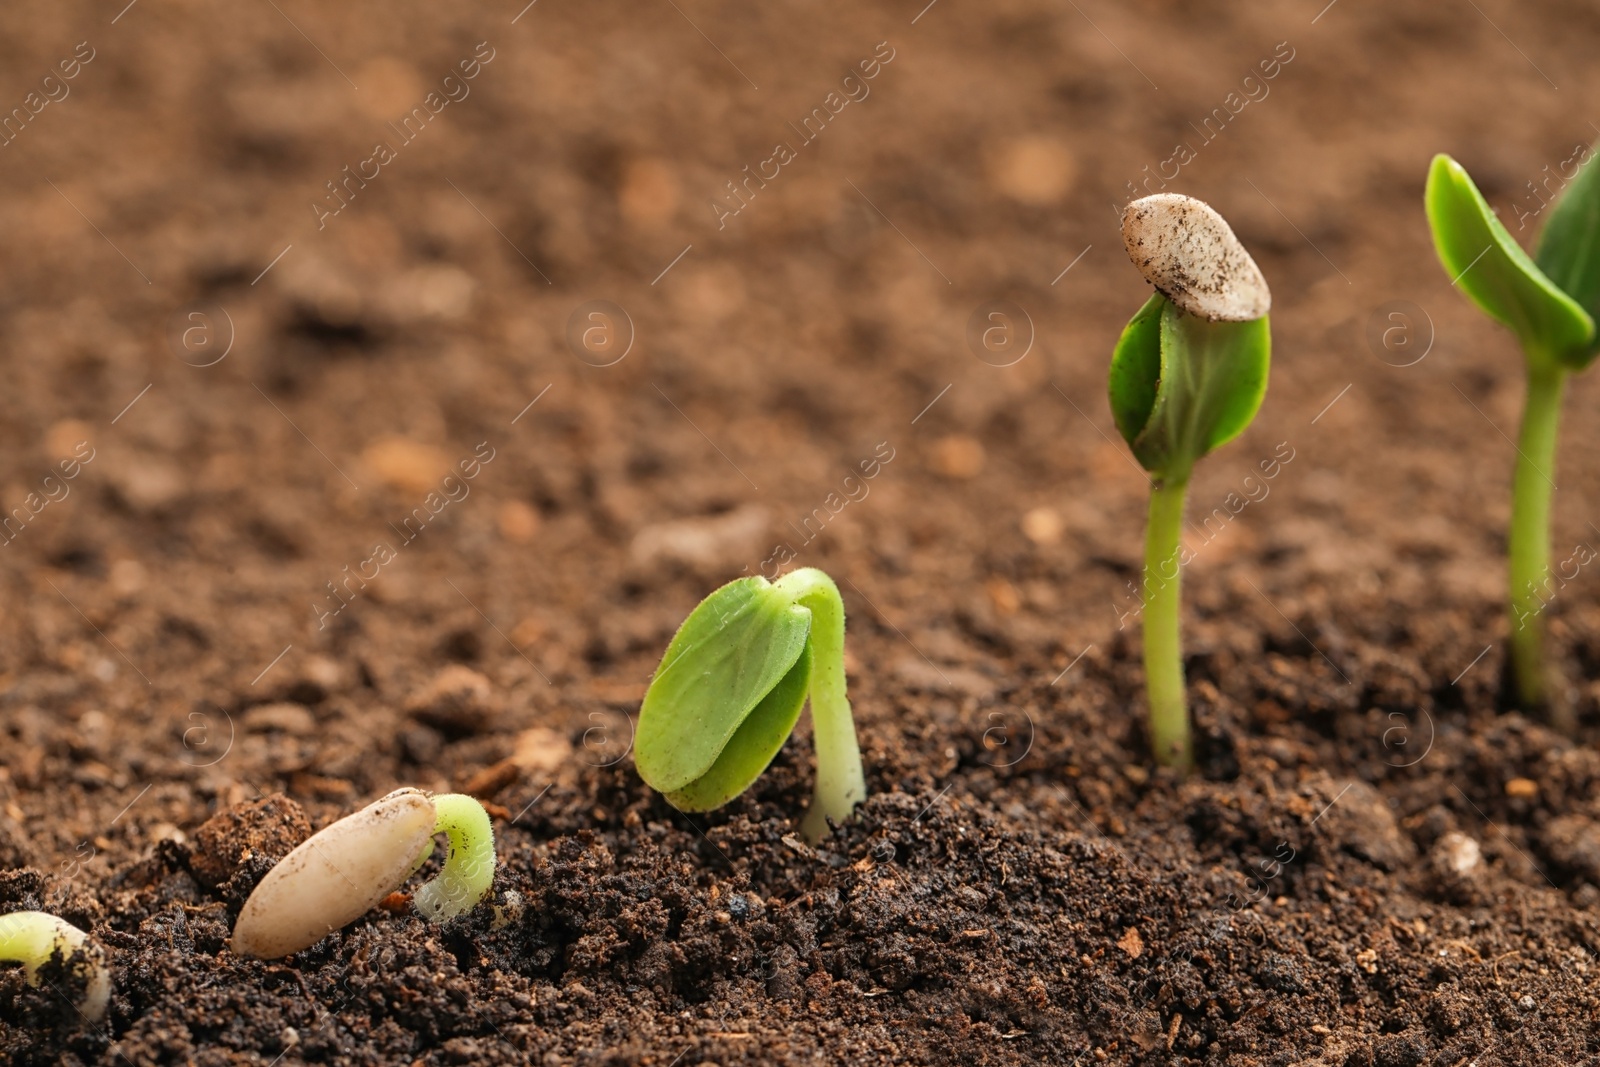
34, 938
729, 692
1187, 376
469, 869
342, 871
1550, 302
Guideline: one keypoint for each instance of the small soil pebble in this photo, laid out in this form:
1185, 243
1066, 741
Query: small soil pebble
268, 828
1359, 819
1003, 595
1036, 171
518, 522
958, 456
435, 291
648, 194
702, 541
1042, 525
14, 851
389, 86
457, 702
281, 718
1573, 841
407, 465
540, 750
1456, 865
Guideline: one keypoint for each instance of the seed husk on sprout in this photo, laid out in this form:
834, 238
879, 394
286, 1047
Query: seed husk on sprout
1188, 251
1187, 375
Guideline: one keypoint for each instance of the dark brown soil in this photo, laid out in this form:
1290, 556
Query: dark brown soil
1021, 887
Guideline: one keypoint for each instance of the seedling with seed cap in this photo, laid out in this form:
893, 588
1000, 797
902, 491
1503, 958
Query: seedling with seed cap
1187, 376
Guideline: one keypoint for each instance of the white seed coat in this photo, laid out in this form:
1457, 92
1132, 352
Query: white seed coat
335, 876
1189, 252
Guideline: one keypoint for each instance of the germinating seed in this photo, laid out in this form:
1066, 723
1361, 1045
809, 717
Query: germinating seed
335, 876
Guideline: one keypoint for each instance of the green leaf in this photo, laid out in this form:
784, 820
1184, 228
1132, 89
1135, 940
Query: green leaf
1489, 266
1569, 245
1182, 385
753, 745
736, 646
1136, 369
1229, 362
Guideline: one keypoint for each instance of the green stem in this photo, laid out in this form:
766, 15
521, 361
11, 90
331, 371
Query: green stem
1531, 489
841, 785
468, 870
31, 938
1163, 647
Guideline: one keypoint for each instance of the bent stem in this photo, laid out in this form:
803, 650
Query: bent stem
31, 938
1531, 490
468, 870
1163, 648
841, 784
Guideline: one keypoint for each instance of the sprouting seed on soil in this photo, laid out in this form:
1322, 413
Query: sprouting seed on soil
1550, 301
33, 938
1187, 376
730, 689
341, 872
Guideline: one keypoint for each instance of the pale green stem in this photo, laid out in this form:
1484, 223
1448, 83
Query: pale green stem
468, 870
1531, 489
841, 785
1163, 648
32, 937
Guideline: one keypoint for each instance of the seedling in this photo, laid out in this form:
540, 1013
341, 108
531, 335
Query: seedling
1187, 376
33, 938
1550, 302
468, 870
342, 871
729, 692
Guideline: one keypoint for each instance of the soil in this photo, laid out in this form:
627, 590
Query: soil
269, 588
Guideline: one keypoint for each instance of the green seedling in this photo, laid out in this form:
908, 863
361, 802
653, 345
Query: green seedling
468, 870
1187, 376
1550, 302
343, 870
33, 938
730, 689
